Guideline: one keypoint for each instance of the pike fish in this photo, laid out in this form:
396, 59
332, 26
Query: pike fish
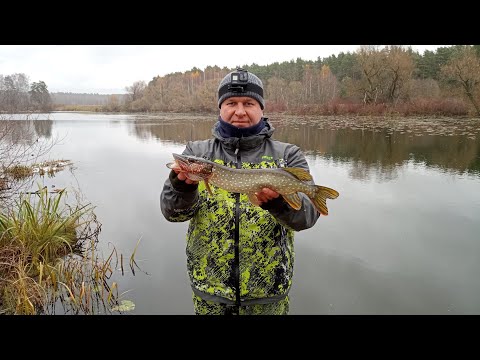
288, 181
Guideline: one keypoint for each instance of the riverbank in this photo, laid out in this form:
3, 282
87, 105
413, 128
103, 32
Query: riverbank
419, 107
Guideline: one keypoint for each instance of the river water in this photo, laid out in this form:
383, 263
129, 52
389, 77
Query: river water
402, 238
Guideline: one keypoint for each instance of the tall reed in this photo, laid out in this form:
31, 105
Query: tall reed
48, 257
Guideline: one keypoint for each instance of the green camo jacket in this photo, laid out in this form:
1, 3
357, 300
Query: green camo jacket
238, 253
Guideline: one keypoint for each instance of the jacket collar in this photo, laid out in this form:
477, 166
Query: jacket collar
245, 143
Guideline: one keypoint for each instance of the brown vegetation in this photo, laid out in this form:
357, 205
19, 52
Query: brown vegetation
372, 80
392, 80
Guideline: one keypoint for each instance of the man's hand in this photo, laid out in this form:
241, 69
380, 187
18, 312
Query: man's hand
266, 195
181, 176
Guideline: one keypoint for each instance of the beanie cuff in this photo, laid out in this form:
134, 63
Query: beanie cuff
243, 94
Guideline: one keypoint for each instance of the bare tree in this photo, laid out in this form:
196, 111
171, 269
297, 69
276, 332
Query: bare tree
14, 92
423, 88
20, 147
399, 68
372, 64
136, 90
276, 88
328, 87
464, 69
113, 103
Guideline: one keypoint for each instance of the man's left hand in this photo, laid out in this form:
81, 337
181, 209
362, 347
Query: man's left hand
266, 195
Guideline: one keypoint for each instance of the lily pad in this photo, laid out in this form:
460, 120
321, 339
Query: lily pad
125, 305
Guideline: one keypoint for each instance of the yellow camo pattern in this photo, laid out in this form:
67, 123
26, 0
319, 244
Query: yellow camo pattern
266, 247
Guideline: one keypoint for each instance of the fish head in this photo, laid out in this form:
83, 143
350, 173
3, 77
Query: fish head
195, 168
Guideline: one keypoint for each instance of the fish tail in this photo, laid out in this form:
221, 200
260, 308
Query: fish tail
319, 200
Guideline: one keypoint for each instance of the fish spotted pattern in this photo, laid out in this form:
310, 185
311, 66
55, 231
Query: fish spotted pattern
288, 182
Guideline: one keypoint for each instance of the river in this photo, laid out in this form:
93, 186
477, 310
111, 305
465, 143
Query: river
402, 238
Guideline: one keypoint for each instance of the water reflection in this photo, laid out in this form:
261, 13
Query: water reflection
356, 288
43, 128
179, 130
378, 147
402, 237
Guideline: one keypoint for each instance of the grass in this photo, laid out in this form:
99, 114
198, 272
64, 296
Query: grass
19, 171
94, 108
48, 257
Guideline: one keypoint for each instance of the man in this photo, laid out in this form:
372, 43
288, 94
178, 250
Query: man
239, 255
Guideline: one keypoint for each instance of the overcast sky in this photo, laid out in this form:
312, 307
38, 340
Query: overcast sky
107, 69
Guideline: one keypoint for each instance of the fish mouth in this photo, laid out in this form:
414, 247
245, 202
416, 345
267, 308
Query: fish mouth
189, 159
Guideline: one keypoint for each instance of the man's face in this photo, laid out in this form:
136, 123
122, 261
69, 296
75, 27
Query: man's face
241, 111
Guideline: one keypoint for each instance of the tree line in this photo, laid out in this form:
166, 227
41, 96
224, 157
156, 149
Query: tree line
17, 94
371, 80
69, 98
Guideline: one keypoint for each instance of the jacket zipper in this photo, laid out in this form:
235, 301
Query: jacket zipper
237, 237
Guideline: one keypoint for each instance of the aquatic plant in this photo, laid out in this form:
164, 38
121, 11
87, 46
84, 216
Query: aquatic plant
48, 258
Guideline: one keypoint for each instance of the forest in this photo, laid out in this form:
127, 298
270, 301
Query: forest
373, 80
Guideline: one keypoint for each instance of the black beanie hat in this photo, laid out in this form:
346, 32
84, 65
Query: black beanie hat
253, 88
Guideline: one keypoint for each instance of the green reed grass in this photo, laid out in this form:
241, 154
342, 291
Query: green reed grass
43, 228
48, 255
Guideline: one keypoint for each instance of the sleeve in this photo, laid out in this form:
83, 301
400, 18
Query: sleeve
178, 199
297, 220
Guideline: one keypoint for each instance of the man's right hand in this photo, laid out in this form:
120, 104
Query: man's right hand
181, 176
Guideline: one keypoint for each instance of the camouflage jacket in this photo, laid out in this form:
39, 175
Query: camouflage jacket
239, 253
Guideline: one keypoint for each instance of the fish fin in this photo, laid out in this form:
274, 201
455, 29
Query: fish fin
293, 200
253, 199
319, 200
193, 177
207, 185
299, 173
